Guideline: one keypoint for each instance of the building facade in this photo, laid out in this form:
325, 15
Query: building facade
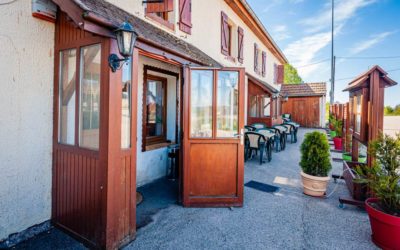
77, 137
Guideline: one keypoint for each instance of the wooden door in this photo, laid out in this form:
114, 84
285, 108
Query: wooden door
298, 109
213, 150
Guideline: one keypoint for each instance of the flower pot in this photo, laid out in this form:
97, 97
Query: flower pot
385, 227
314, 185
338, 143
332, 134
362, 158
346, 156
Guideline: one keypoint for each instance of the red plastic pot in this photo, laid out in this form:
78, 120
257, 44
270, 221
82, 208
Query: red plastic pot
338, 143
385, 227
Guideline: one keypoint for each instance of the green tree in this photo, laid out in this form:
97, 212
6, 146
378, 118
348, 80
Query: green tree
291, 76
392, 111
389, 110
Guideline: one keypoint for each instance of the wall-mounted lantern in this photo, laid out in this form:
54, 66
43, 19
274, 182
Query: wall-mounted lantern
126, 38
285, 98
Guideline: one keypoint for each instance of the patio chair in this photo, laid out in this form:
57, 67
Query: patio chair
277, 138
295, 127
282, 135
290, 131
270, 137
287, 117
248, 128
254, 142
258, 125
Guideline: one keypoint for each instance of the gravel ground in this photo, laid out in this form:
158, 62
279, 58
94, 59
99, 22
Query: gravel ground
283, 220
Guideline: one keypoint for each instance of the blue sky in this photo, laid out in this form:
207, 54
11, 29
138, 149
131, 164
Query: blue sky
363, 28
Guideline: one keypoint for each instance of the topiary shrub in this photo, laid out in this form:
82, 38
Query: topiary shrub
315, 156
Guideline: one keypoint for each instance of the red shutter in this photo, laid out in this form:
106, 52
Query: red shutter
240, 44
264, 63
275, 73
280, 73
185, 16
224, 34
256, 57
164, 6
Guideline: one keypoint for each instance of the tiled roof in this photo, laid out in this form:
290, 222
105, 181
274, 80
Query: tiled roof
358, 81
304, 89
145, 30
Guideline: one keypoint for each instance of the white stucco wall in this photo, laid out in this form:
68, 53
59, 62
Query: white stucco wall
152, 164
26, 122
206, 33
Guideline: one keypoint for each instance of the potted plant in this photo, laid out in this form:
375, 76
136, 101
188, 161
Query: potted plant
315, 163
337, 140
332, 122
383, 181
346, 156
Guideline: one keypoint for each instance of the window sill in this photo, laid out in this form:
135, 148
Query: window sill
230, 58
158, 145
161, 21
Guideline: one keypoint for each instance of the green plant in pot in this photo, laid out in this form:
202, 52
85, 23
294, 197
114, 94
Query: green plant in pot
332, 122
346, 156
337, 140
383, 180
315, 163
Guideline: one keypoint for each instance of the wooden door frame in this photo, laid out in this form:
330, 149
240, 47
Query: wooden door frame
206, 201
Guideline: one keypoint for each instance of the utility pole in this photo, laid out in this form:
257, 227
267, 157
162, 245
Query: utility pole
332, 94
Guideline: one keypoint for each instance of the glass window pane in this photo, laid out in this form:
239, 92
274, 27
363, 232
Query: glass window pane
126, 105
266, 106
67, 96
253, 106
358, 114
201, 96
155, 108
90, 96
227, 103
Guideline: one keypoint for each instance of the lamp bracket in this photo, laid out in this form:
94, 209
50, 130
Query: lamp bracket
115, 62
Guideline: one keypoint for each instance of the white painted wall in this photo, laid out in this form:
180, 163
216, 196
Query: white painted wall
206, 32
26, 122
152, 164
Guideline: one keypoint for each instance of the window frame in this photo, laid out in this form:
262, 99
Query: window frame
260, 105
151, 140
57, 66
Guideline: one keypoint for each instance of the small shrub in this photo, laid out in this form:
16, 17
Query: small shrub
338, 125
315, 156
383, 178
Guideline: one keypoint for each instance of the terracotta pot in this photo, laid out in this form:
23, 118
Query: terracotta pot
338, 143
385, 228
314, 185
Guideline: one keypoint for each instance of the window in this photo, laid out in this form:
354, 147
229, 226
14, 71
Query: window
67, 92
156, 108
253, 106
201, 101
126, 112
260, 106
260, 61
185, 16
161, 12
266, 106
89, 105
227, 103
357, 106
231, 40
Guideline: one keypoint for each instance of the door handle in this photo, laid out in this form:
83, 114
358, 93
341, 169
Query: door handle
241, 136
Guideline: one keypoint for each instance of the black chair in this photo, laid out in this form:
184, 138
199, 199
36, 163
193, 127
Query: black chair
269, 135
254, 142
249, 128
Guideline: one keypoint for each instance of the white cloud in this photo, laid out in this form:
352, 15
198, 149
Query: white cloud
373, 40
344, 10
303, 52
280, 32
